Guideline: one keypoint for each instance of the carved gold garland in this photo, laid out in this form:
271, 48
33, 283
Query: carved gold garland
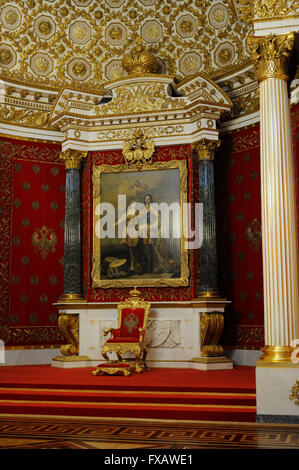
266, 9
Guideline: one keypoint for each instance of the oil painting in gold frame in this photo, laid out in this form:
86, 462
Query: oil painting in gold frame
120, 261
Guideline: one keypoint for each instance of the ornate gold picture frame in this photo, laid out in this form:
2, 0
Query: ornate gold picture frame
145, 262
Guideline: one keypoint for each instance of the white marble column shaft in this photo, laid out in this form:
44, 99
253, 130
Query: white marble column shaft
280, 251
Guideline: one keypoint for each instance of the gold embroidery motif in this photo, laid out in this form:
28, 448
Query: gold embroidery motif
130, 322
44, 241
295, 393
254, 234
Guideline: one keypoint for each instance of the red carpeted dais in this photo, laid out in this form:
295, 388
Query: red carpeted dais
227, 395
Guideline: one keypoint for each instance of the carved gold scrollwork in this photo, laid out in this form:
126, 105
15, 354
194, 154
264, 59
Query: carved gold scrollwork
69, 325
112, 371
211, 326
265, 9
274, 8
295, 393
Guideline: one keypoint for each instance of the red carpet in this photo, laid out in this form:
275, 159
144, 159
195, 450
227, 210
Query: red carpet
227, 395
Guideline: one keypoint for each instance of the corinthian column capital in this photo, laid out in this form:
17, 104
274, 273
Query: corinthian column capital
72, 158
205, 149
271, 55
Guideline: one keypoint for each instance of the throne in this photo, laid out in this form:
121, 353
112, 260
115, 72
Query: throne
128, 337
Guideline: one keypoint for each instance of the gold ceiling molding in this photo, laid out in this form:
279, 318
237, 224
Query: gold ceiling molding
57, 42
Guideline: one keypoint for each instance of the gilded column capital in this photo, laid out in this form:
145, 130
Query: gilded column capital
72, 158
205, 149
271, 55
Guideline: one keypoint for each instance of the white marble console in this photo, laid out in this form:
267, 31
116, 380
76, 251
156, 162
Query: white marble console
172, 336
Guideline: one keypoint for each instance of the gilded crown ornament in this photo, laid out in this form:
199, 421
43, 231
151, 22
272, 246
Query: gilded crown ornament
139, 61
271, 55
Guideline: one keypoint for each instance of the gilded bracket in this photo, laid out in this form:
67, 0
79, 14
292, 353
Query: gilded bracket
211, 327
69, 326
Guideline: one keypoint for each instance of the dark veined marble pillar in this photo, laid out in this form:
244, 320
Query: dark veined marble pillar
72, 227
204, 151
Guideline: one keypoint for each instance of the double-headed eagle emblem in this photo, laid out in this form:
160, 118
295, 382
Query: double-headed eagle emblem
44, 241
130, 322
138, 150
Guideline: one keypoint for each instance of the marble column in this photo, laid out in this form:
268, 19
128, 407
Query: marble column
72, 229
279, 236
204, 151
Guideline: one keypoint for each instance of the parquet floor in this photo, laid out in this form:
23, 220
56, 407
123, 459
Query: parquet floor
28, 432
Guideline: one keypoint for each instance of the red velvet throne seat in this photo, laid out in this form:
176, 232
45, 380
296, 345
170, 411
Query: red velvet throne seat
127, 337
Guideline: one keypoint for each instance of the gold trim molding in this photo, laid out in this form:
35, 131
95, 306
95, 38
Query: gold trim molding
271, 55
266, 10
275, 354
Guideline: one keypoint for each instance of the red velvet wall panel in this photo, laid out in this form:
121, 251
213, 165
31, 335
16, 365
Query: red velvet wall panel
239, 237
32, 227
237, 168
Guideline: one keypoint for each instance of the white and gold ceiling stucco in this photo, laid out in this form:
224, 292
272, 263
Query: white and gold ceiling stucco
58, 42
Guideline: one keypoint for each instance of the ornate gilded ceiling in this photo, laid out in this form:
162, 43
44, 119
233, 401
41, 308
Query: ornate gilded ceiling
54, 42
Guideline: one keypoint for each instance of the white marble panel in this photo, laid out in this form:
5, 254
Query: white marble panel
273, 388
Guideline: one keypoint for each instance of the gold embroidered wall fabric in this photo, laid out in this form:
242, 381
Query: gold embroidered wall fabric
239, 236
32, 242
